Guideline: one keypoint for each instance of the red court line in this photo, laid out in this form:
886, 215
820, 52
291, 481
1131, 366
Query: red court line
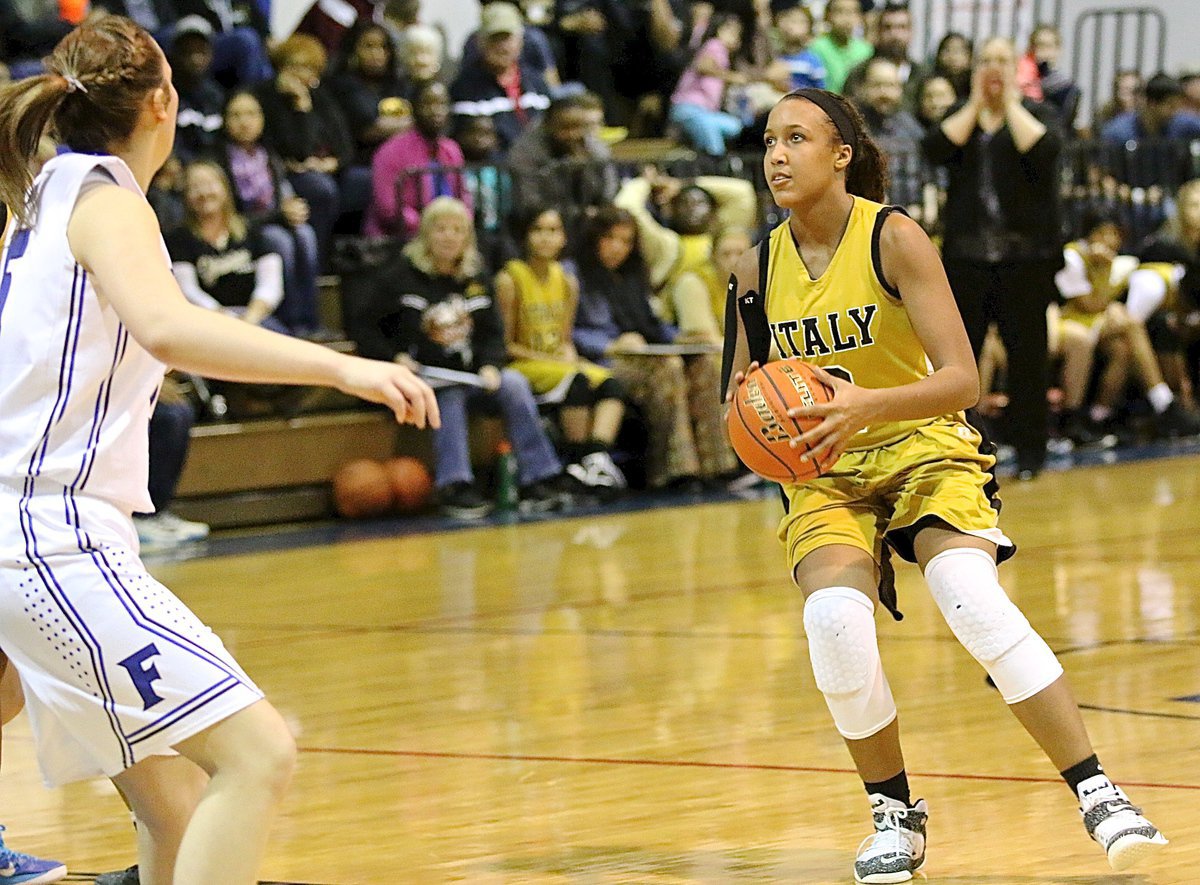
683, 763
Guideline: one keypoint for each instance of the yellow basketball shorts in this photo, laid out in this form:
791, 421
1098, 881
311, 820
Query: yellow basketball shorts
546, 375
938, 472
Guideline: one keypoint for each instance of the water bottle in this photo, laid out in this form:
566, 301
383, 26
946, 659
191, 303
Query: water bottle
506, 478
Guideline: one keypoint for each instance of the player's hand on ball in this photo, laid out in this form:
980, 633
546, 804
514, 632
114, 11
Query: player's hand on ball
738, 378
850, 410
395, 386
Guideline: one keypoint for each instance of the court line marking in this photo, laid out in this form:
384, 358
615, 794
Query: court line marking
684, 763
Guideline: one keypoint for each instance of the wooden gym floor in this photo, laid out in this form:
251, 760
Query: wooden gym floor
627, 698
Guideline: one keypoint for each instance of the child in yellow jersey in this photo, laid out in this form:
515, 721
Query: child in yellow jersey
857, 289
537, 299
1093, 277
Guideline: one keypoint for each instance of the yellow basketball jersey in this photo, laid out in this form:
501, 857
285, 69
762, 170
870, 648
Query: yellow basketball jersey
845, 321
1171, 275
542, 314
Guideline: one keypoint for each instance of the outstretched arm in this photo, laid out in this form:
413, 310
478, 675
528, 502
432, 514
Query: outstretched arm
114, 235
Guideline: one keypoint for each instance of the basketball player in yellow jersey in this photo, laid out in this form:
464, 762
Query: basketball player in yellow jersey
858, 289
538, 299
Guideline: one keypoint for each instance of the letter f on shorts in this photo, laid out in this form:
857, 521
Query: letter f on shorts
143, 676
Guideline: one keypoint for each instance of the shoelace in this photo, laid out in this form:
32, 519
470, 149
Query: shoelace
890, 828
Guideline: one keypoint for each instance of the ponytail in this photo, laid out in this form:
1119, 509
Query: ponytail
90, 100
26, 109
867, 175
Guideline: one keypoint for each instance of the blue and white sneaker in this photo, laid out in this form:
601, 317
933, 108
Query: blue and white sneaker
21, 869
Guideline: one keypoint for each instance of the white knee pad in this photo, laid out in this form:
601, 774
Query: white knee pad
840, 623
967, 589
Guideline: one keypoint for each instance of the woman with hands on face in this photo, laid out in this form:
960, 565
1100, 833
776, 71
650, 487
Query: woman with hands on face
856, 288
1003, 242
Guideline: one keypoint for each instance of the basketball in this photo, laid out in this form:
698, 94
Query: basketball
411, 484
759, 425
362, 488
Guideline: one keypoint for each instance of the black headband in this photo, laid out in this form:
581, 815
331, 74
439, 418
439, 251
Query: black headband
833, 109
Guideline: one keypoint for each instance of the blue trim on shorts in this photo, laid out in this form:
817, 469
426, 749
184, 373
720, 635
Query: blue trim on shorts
45, 573
165, 721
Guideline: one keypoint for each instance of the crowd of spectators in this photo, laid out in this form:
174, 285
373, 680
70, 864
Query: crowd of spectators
293, 153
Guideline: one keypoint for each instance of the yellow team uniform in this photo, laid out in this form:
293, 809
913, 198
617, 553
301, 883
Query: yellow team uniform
896, 474
541, 323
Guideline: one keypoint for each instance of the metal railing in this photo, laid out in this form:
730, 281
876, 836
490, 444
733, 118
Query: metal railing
1134, 182
1107, 41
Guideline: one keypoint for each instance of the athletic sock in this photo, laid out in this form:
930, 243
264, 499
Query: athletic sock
1081, 771
1160, 397
895, 787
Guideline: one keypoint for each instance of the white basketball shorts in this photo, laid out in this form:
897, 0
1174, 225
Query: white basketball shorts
114, 667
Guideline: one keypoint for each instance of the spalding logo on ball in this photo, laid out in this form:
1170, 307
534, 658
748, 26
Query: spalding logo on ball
759, 425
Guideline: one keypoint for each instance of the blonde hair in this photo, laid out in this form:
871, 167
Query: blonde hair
234, 221
417, 249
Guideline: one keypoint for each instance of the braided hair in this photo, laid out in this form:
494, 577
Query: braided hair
89, 99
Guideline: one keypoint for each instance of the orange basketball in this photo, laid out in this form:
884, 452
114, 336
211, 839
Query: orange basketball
759, 425
362, 488
411, 484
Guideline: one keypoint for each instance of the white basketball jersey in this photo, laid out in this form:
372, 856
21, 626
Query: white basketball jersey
76, 391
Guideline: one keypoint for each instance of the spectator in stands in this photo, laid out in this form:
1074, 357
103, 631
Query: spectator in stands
156, 16
893, 41
1002, 223
1041, 79
490, 186
1093, 277
421, 51
679, 252
370, 90
793, 33
413, 168
954, 59
170, 437
165, 195
935, 97
537, 299
1160, 114
220, 261
1126, 96
1190, 84
28, 31
434, 308
201, 99
305, 126
893, 128
498, 84
673, 392
561, 162
240, 35
729, 244
265, 198
840, 48
1164, 293
536, 52
594, 36
697, 100
665, 36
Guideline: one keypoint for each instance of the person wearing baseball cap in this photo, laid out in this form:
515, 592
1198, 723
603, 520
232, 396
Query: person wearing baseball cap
498, 83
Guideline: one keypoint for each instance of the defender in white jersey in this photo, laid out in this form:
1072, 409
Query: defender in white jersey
120, 678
